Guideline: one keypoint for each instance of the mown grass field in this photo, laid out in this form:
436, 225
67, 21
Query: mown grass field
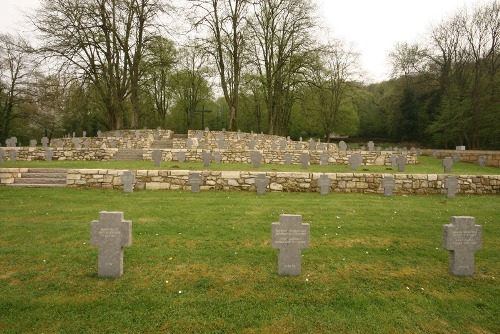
203, 263
426, 165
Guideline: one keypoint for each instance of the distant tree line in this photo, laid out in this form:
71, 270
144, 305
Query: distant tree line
261, 65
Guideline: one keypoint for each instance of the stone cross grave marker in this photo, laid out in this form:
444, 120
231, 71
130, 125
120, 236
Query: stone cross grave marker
312, 145
222, 144
255, 157
137, 134
86, 143
342, 145
482, 160
128, 179
217, 157
99, 133
157, 156
261, 183
189, 143
394, 160
110, 233
401, 161
181, 156
59, 143
1, 155
456, 157
288, 159
371, 145
355, 160
274, 146
462, 237
283, 144
324, 160
112, 144
290, 235
447, 164
206, 156
304, 160
84, 134
388, 184
45, 142
49, 153
251, 144
195, 181
33, 142
451, 185
324, 183
298, 146
76, 142
12, 155
118, 133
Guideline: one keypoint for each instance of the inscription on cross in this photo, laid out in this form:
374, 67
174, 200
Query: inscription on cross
388, 184
324, 183
451, 184
462, 237
290, 235
110, 233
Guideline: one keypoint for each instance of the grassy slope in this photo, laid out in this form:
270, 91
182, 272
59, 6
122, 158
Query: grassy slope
203, 263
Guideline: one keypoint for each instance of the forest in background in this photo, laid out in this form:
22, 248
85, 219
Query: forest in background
263, 66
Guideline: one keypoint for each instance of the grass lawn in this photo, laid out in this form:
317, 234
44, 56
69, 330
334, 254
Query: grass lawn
203, 263
426, 165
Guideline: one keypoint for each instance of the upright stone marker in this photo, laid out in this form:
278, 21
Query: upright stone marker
49, 153
255, 157
324, 160
394, 160
261, 183
181, 156
312, 145
251, 144
76, 142
482, 160
195, 181
401, 161
304, 160
371, 145
462, 237
206, 156
217, 157
12, 155
355, 160
1, 155
451, 185
342, 146
288, 159
456, 157
128, 179
110, 233
447, 164
324, 183
388, 184
33, 142
157, 156
45, 142
289, 235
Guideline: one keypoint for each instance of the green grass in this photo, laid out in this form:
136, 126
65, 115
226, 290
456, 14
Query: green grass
375, 264
426, 165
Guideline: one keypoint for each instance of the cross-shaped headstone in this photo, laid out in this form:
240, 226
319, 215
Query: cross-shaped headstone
462, 237
371, 145
251, 144
99, 133
45, 142
112, 144
76, 142
181, 156
206, 156
324, 183
195, 181
222, 144
157, 156
255, 157
342, 145
128, 179
324, 160
84, 134
312, 145
388, 184
110, 233
189, 143
456, 157
304, 160
435, 154
447, 164
138, 134
49, 153
289, 235
282, 144
12, 155
288, 159
355, 160
261, 183
401, 161
1, 155
33, 142
86, 143
217, 157
451, 185
482, 160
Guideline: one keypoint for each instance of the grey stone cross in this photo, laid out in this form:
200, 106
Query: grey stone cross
261, 183
451, 184
447, 164
206, 156
110, 233
304, 160
128, 179
290, 235
195, 181
388, 184
255, 157
324, 183
157, 156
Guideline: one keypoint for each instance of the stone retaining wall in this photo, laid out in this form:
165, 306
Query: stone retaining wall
410, 184
492, 157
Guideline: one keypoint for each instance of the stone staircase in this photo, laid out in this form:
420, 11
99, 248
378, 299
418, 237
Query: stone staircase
41, 178
128, 154
159, 144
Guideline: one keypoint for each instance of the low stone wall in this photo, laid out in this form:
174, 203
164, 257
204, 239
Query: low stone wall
492, 157
61, 154
406, 184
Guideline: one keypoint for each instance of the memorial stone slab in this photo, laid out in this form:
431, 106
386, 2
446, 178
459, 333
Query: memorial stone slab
181, 156
12, 155
45, 142
363, 148
355, 160
451, 184
482, 160
86, 143
195, 180
304, 160
290, 236
49, 153
261, 183
342, 146
324, 183
84, 134
255, 157
447, 164
206, 156
288, 159
217, 157
33, 142
99, 133
388, 184
401, 161
157, 156
222, 144
371, 145
324, 160
1, 155
189, 143
394, 160
312, 145
462, 237
128, 180
59, 143
110, 233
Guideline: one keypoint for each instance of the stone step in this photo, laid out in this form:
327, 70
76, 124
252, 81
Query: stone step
41, 177
24, 180
163, 144
33, 185
128, 155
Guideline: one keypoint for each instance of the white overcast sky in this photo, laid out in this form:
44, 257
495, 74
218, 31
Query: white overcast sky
373, 26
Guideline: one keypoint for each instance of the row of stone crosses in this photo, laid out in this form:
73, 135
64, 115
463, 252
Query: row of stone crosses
195, 180
111, 233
